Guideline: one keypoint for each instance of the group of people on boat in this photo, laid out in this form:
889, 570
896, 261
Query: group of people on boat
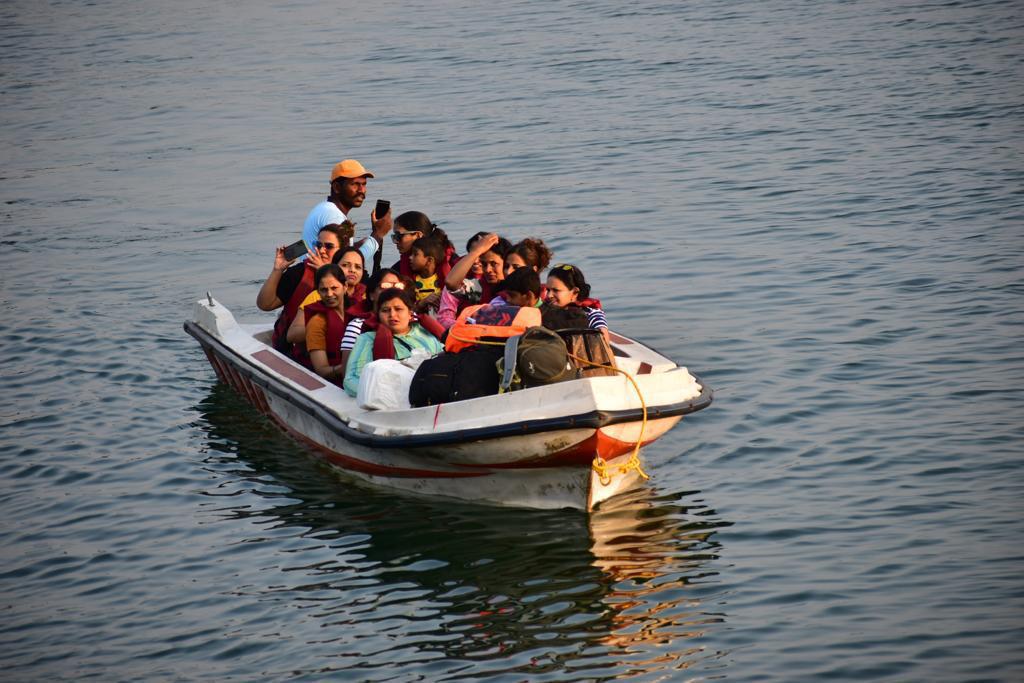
341, 310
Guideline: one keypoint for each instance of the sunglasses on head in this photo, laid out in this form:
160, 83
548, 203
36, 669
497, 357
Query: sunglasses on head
325, 245
389, 285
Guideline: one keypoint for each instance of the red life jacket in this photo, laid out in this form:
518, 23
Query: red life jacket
356, 298
586, 303
335, 330
291, 308
384, 341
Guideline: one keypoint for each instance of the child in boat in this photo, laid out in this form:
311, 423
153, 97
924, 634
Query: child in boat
396, 335
521, 288
568, 293
425, 255
409, 227
460, 290
325, 323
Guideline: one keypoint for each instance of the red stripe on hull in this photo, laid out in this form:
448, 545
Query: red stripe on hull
213, 363
578, 455
261, 399
348, 462
282, 367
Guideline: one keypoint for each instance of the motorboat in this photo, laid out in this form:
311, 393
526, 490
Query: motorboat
570, 444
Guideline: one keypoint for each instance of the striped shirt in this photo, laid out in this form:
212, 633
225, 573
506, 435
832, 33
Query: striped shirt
595, 319
352, 332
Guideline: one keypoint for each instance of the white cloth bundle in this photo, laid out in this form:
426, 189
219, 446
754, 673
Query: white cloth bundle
384, 385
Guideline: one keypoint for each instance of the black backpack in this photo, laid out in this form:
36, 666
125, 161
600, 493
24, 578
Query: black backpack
568, 318
448, 377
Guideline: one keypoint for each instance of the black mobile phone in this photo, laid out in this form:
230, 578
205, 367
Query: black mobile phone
383, 206
294, 251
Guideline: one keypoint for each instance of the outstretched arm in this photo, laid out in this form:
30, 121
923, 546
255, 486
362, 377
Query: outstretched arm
267, 299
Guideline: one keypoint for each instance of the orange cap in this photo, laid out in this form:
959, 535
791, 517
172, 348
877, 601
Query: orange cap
350, 168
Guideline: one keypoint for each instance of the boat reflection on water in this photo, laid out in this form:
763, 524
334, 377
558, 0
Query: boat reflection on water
656, 553
489, 590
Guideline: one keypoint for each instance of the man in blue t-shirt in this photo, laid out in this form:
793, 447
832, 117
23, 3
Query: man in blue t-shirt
348, 190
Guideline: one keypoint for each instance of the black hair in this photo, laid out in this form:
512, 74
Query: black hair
502, 248
343, 231
340, 254
406, 295
430, 247
534, 253
522, 281
418, 221
331, 269
474, 238
572, 277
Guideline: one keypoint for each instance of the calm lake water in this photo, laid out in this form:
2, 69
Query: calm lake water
818, 206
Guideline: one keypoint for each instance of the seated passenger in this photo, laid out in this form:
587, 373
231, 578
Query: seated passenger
358, 313
396, 335
325, 323
424, 256
350, 261
530, 252
287, 286
521, 287
568, 292
409, 227
490, 250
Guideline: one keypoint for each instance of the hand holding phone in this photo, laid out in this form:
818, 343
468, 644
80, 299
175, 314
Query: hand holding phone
382, 208
295, 250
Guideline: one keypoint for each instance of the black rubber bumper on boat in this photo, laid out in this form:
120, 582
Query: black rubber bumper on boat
592, 420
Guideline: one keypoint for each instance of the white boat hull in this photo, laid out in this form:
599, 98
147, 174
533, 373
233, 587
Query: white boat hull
532, 448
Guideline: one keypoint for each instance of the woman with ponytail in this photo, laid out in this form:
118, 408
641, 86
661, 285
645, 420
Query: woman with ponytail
409, 227
568, 294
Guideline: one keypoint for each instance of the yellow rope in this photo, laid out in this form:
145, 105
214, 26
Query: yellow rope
599, 465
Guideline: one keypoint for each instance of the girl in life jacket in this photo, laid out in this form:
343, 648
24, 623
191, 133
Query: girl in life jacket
394, 334
568, 294
490, 251
350, 261
325, 323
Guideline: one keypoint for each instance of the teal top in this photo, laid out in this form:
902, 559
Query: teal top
362, 352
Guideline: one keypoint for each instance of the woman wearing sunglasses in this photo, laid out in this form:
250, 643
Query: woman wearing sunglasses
409, 227
287, 285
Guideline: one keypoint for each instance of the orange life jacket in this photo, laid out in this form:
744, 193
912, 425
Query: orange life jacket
486, 322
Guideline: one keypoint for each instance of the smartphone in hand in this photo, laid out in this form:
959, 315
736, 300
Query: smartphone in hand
294, 251
382, 208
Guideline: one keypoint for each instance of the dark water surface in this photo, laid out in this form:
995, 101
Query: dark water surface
818, 206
